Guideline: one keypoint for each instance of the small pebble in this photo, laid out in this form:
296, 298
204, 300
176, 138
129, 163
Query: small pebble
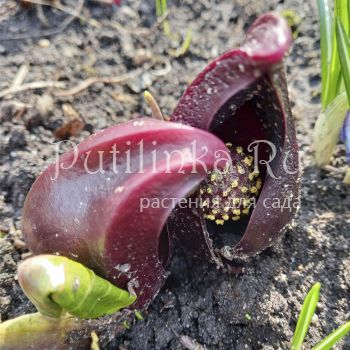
2, 50
44, 43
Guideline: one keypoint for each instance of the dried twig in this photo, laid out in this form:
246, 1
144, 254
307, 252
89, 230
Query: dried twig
117, 79
93, 80
141, 31
162, 71
19, 105
32, 86
20, 76
14, 89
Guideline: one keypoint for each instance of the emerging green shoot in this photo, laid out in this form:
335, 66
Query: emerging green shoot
94, 341
180, 51
331, 68
326, 46
335, 54
344, 54
56, 285
138, 315
248, 317
161, 11
126, 325
333, 338
305, 317
306, 313
293, 21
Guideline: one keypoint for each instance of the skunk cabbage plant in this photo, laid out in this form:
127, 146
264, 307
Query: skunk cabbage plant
109, 203
242, 98
92, 204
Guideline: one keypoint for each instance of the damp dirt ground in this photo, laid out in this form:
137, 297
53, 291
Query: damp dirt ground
220, 309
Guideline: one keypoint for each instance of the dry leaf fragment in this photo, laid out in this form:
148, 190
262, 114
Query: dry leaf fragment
190, 344
75, 124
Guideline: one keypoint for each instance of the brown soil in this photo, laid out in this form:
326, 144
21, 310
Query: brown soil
198, 300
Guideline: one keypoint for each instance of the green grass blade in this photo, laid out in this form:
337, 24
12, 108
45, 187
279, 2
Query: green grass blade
326, 34
158, 8
348, 16
166, 25
164, 6
342, 12
334, 80
306, 313
180, 51
344, 54
166, 28
187, 42
333, 338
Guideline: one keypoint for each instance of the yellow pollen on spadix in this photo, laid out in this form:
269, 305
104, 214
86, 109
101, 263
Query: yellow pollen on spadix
228, 194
